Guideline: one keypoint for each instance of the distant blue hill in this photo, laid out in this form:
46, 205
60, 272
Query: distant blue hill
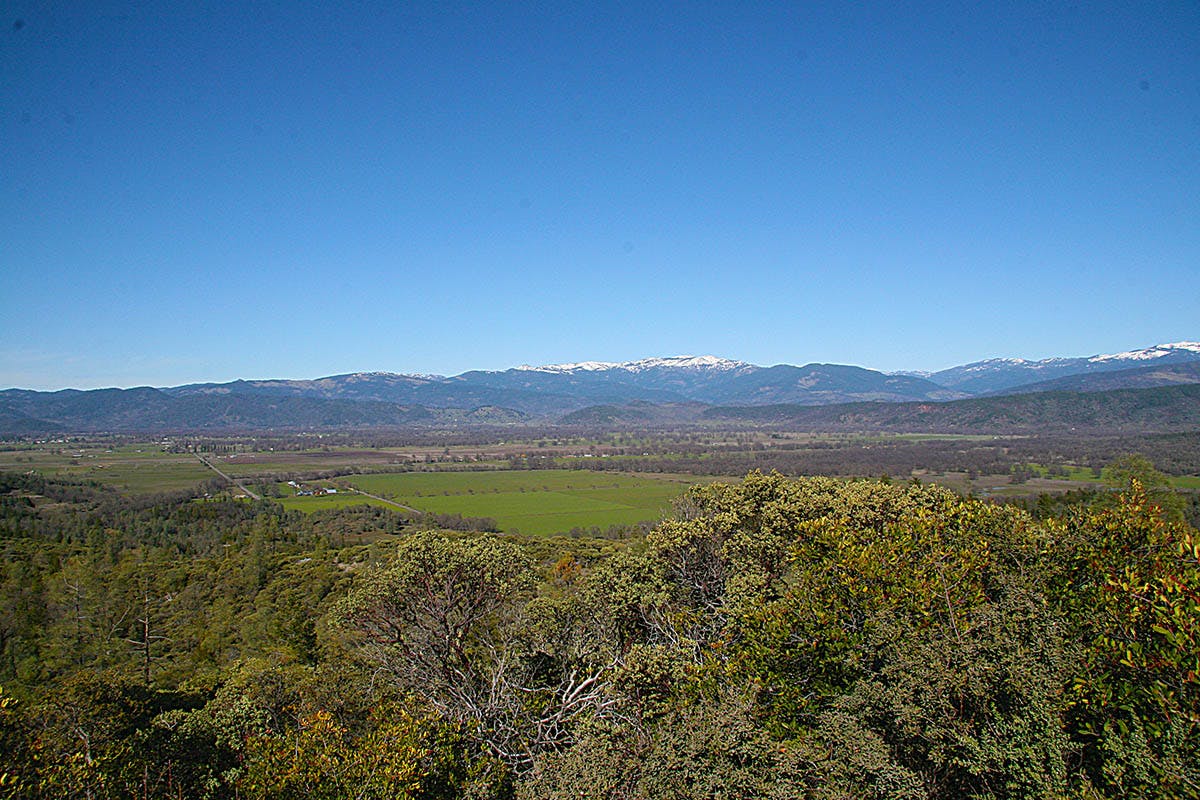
654, 391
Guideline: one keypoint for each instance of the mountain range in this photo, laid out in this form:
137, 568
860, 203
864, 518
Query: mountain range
649, 391
997, 374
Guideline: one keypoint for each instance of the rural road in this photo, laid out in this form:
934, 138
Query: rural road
238, 484
242, 486
389, 502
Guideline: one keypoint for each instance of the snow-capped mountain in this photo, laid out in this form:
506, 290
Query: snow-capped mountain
694, 379
380, 386
674, 362
656, 380
1186, 350
998, 374
682, 384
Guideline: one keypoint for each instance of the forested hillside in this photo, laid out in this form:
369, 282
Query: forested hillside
775, 638
1159, 409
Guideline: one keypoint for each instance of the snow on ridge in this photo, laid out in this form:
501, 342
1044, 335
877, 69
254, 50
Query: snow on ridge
362, 376
715, 363
580, 366
679, 362
979, 366
689, 362
1148, 353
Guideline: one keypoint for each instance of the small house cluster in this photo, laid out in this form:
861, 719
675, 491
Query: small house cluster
316, 491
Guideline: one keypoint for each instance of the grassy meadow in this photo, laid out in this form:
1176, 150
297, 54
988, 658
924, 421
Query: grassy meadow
473, 480
539, 502
142, 468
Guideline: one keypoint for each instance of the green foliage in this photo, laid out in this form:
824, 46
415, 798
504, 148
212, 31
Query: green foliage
1134, 595
1130, 467
441, 620
710, 749
100, 736
1134, 466
776, 638
14, 745
902, 614
319, 759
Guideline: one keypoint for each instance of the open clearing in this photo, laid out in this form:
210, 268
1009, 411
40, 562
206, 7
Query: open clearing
537, 502
476, 479
132, 468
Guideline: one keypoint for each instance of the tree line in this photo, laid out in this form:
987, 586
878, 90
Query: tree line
785, 638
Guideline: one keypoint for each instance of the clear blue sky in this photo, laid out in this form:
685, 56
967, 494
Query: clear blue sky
303, 189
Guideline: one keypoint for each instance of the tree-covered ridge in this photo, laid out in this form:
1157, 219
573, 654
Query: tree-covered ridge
775, 638
1159, 409
817, 397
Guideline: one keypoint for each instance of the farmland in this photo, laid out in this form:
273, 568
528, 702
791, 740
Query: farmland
540, 482
536, 503
533, 502
328, 501
132, 468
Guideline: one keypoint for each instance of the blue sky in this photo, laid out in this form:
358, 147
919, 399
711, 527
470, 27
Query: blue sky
303, 189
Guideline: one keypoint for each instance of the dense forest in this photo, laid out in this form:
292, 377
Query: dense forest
786, 638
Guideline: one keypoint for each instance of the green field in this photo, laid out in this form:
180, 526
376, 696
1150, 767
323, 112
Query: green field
286, 496
457, 482
539, 502
136, 469
1085, 475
